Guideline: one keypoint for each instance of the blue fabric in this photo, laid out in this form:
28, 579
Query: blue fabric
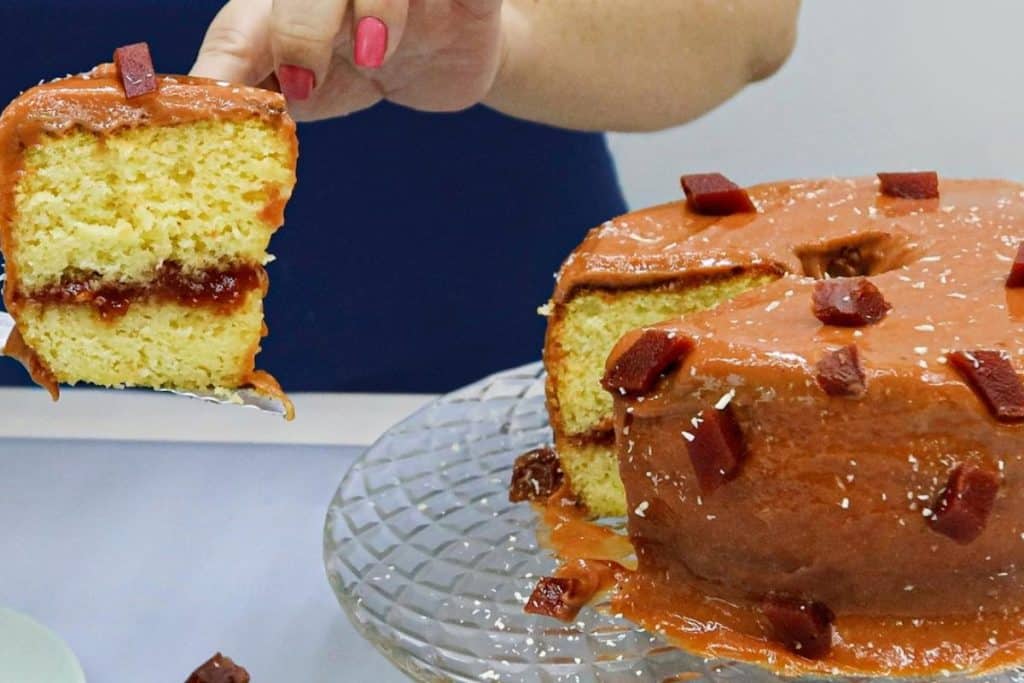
417, 247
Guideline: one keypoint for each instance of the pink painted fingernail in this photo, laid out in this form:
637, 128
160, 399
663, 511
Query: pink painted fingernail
371, 42
297, 82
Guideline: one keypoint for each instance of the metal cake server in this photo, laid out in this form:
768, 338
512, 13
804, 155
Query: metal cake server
239, 397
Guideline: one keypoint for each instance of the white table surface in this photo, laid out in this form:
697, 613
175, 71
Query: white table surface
146, 557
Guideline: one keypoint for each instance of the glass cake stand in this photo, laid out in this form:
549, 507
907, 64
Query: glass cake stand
433, 565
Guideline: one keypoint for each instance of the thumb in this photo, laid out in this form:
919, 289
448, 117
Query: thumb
237, 44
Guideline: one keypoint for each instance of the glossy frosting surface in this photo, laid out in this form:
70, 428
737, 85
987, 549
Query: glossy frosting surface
832, 503
95, 101
734, 630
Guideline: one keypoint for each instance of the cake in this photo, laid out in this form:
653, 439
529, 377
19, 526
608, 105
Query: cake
826, 467
135, 214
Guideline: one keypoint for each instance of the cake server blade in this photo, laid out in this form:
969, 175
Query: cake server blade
238, 397
6, 327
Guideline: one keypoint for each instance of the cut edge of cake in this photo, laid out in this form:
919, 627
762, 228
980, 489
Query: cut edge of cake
582, 330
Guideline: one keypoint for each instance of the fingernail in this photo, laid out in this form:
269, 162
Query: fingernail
371, 42
297, 82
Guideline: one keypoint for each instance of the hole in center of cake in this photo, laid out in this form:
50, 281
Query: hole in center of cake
856, 256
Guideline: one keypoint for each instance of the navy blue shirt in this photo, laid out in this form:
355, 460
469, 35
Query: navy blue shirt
416, 247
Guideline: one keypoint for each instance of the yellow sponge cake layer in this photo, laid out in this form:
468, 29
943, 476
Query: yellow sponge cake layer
153, 344
583, 331
121, 205
592, 469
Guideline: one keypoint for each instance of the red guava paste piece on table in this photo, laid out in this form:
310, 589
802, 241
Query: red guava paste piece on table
219, 669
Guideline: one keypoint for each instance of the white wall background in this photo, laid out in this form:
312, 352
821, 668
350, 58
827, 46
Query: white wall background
872, 85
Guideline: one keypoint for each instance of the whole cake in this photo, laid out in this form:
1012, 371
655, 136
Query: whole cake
135, 214
829, 463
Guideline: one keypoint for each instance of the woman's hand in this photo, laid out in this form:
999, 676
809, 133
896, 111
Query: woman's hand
586, 64
334, 57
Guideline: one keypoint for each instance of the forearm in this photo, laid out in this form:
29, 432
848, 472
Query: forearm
635, 65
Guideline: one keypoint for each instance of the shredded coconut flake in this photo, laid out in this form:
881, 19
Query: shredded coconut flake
725, 400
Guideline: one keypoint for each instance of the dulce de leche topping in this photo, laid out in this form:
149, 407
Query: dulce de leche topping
787, 234
96, 102
832, 503
789, 635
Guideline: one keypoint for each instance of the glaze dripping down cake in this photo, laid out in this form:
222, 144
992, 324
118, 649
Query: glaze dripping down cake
135, 216
826, 465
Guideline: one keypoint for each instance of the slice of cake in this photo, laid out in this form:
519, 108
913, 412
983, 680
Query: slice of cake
135, 215
632, 271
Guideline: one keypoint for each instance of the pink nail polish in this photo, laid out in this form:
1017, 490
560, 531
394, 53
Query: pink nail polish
371, 42
297, 82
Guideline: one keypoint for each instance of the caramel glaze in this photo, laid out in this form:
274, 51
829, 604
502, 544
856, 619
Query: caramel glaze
16, 348
264, 383
702, 622
832, 503
95, 102
662, 245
